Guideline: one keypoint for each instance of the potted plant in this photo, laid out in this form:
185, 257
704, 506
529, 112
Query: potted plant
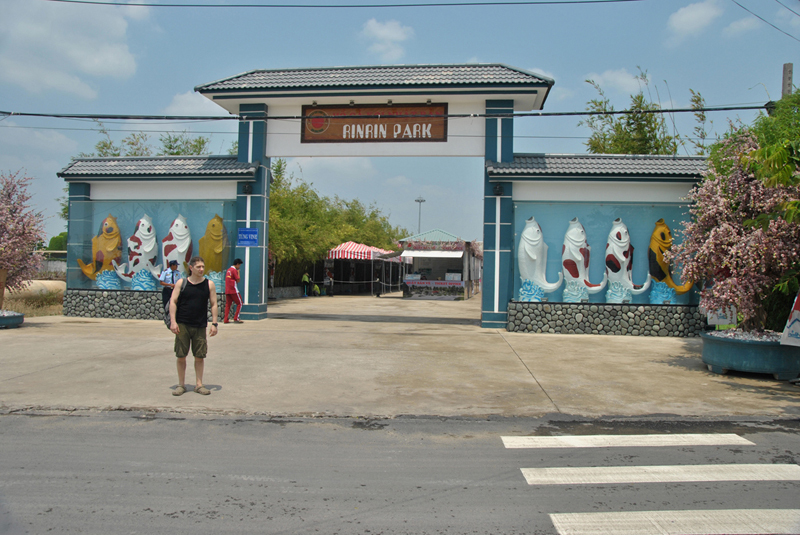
21, 229
743, 240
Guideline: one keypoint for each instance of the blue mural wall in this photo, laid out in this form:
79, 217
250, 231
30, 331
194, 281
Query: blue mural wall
597, 219
87, 219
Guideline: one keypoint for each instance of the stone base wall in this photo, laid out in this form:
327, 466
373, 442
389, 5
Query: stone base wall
116, 304
285, 292
587, 318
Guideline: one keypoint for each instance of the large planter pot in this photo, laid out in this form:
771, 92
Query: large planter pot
11, 320
724, 354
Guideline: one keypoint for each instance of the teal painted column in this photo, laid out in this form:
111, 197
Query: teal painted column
498, 216
79, 232
252, 211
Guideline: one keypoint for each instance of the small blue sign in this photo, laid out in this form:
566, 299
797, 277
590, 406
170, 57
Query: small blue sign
248, 237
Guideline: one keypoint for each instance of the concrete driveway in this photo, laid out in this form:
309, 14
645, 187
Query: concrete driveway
373, 357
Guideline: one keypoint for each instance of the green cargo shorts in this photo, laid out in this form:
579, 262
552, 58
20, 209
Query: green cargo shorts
191, 336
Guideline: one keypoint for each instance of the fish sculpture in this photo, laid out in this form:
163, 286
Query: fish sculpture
214, 247
106, 248
532, 262
664, 288
619, 266
213, 244
575, 265
141, 269
177, 244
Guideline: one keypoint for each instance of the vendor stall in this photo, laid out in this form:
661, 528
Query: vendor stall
444, 266
356, 268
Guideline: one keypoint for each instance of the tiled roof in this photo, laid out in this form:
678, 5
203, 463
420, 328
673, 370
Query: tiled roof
381, 76
159, 167
433, 235
571, 165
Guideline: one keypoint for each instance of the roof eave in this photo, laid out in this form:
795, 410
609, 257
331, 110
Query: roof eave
146, 178
615, 177
347, 89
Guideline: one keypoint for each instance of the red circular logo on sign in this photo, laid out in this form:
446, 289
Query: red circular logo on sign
318, 121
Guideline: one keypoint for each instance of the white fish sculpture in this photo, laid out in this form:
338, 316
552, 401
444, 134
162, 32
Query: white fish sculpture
142, 257
575, 256
177, 245
619, 266
532, 262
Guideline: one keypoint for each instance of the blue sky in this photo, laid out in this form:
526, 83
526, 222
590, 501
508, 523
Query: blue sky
62, 58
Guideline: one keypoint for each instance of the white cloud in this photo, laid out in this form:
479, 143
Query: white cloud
48, 46
784, 17
398, 182
741, 26
39, 153
475, 59
42, 141
543, 72
692, 20
192, 103
561, 93
386, 38
327, 172
619, 79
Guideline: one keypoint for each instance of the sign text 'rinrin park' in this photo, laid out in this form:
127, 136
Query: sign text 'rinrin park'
371, 123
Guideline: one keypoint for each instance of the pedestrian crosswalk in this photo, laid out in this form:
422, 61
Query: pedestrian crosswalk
736, 521
608, 441
604, 475
665, 522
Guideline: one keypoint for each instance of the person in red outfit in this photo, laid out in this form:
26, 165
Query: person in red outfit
232, 291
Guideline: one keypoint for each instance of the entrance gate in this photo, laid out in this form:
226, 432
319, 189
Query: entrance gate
407, 110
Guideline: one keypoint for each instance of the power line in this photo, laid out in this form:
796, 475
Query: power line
221, 133
188, 118
765, 20
348, 6
787, 7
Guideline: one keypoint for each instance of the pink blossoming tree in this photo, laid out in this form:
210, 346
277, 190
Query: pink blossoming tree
21, 229
740, 260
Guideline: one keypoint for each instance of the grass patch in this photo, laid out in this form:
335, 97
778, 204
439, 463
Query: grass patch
46, 304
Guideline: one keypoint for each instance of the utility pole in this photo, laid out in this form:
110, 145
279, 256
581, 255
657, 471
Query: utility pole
786, 87
420, 200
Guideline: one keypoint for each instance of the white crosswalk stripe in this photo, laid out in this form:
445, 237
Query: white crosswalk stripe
736, 521
616, 441
705, 522
595, 475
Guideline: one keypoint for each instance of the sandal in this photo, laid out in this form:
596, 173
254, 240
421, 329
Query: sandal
202, 390
179, 391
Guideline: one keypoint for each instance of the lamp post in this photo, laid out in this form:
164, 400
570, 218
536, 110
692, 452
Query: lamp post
420, 200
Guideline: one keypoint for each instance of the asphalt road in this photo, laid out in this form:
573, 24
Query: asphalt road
131, 472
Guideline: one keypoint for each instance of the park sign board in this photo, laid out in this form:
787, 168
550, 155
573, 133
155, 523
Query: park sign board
375, 123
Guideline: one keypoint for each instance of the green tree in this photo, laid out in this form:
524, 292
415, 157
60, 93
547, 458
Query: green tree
700, 132
136, 145
183, 145
633, 133
58, 243
304, 226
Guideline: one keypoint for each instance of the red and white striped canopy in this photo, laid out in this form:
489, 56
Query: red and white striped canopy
352, 251
358, 251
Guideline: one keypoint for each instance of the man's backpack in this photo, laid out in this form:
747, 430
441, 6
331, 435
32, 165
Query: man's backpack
167, 320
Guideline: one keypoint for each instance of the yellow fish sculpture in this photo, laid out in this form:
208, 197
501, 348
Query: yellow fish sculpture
660, 242
106, 248
214, 245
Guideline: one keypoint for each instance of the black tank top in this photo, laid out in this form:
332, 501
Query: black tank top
193, 304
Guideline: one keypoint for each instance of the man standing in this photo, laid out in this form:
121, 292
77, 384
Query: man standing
306, 284
188, 312
168, 278
232, 291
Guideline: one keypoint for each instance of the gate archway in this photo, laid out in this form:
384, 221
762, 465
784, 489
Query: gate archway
406, 110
